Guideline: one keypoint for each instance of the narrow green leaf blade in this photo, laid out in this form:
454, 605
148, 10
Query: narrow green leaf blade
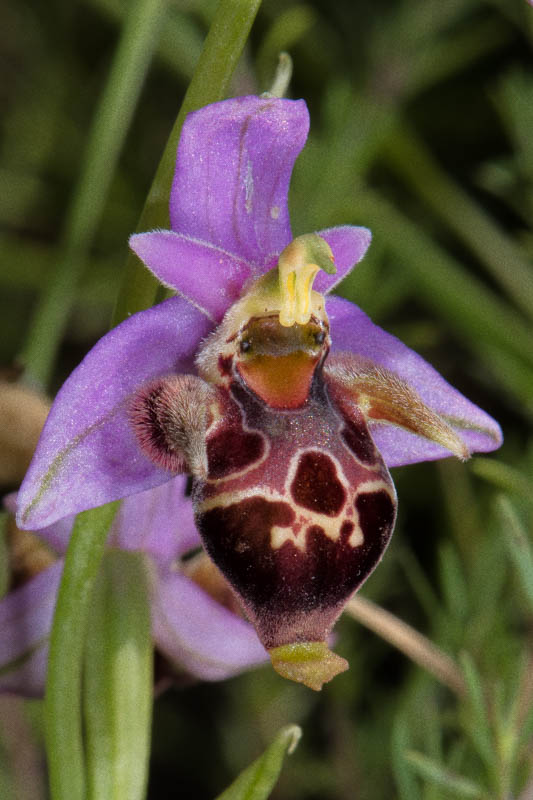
477, 719
258, 780
407, 785
64, 743
518, 545
118, 679
504, 476
455, 784
139, 37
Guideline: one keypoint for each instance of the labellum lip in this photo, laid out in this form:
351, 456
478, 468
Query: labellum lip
280, 381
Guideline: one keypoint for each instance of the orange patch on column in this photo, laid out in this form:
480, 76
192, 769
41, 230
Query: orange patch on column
280, 381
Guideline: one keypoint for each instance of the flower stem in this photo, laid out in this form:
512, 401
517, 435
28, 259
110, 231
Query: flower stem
222, 49
63, 685
118, 679
412, 643
111, 122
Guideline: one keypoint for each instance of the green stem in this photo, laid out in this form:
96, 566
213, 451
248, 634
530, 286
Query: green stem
111, 123
118, 679
222, 49
63, 686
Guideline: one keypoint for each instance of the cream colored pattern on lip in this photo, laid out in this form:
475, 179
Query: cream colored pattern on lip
331, 526
305, 518
227, 499
239, 473
278, 534
293, 468
371, 487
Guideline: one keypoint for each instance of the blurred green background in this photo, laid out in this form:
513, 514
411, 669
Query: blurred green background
422, 130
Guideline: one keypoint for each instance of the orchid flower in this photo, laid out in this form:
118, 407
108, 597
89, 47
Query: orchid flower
191, 629
285, 404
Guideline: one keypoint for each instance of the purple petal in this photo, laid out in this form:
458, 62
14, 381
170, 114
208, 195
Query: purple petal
10, 502
233, 169
87, 454
56, 535
159, 521
353, 331
209, 277
349, 244
193, 630
25, 622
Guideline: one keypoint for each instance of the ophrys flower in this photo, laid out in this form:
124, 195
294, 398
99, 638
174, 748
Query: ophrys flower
285, 404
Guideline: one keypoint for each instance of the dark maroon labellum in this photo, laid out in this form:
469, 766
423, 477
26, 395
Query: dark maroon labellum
299, 527
292, 500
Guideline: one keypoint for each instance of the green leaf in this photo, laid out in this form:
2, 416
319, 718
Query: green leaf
63, 685
408, 787
111, 122
518, 545
118, 679
472, 310
502, 257
477, 718
453, 582
455, 784
258, 780
504, 476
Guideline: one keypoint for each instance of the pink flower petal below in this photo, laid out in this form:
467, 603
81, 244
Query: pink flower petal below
87, 454
25, 621
352, 330
209, 277
233, 169
159, 522
348, 244
193, 630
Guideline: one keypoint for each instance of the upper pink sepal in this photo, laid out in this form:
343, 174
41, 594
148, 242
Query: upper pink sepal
208, 276
233, 169
348, 244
